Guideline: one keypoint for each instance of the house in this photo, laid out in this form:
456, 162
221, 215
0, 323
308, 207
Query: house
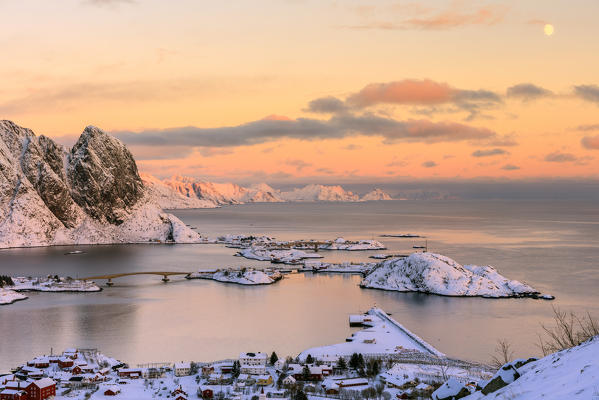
73, 354
226, 368
41, 389
178, 391
76, 370
153, 373
207, 393
279, 364
253, 363
112, 390
7, 378
40, 362
132, 373
180, 397
352, 382
207, 370
65, 362
279, 394
316, 372
264, 380
13, 394
289, 381
215, 379
182, 368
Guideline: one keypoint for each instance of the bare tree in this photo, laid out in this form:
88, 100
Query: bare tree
503, 353
570, 330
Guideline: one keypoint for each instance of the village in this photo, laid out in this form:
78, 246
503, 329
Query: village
382, 361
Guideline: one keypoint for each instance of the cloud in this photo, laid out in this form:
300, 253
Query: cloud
588, 93
586, 128
326, 171
454, 17
559, 157
211, 151
528, 92
337, 127
110, 3
510, 167
590, 142
488, 153
326, 105
298, 164
424, 92
429, 164
353, 146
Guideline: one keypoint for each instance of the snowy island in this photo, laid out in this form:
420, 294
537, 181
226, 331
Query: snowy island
11, 286
437, 274
244, 276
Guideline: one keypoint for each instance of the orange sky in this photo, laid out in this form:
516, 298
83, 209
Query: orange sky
398, 89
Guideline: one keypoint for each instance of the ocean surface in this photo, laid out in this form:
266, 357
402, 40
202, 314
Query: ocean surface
552, 245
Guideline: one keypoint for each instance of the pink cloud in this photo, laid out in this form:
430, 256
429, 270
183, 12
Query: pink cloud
407, 91
591, 142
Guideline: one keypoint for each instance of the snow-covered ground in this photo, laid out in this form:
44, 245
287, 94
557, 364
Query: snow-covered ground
168, 198
383, 336
8, 296
286, 256
571, 374
246, 276
320, 193
51, 284
376, 195
437, 274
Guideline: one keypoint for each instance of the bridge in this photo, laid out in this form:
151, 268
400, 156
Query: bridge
165, 276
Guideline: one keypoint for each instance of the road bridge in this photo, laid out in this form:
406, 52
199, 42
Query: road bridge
109, 277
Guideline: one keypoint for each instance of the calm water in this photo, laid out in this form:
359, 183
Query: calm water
553, 245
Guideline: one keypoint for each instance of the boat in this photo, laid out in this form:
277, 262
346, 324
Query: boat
401, 235
74, 252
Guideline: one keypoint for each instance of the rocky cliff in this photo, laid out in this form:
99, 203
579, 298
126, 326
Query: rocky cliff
90, 194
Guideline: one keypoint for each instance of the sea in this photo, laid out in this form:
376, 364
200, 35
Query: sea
551, 245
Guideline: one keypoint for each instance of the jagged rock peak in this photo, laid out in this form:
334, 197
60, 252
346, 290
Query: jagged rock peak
103, 175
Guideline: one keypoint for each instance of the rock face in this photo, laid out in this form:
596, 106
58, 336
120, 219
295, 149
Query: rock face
168, 198
438, 274
92, 194
376, 195
320, 193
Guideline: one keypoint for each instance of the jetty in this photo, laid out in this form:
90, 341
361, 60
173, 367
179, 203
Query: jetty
109, 277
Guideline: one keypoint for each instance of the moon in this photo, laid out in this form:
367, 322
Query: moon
548, 29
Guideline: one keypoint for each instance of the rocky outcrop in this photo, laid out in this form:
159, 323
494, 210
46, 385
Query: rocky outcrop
92, 194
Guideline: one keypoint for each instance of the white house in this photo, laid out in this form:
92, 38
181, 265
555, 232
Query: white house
289, 381
279, 364
253, 363
182, 368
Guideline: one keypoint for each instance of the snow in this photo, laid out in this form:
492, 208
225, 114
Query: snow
438, 274
315, 192
571, 374
243, 277
290, 256
8, 296
384, 336
53, 285
449, 389
376, 195
402, 373
169, 198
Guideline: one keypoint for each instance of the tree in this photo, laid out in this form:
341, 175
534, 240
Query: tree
341, 364
354, 361
306, 375
309, 359
236, 370
300, 395
570, 330
273, 358
280, 380
503, 353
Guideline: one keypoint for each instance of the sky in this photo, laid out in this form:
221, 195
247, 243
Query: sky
326, 91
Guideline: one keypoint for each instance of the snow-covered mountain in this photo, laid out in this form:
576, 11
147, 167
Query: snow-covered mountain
168, 198
315, 192
222, 193
376, 195
438, 274
91, 194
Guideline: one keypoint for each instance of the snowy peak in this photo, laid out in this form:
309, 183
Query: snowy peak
376, 195
316, 192
168, 198
92, 194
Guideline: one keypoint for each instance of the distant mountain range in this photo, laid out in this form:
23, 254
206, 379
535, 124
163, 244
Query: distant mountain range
184, 192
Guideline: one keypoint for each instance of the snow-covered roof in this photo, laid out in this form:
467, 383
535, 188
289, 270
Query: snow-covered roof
44, 383
257, 356
183, 365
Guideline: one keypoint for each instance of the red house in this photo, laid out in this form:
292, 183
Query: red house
207, 393
41, 389
65, 362
12, 394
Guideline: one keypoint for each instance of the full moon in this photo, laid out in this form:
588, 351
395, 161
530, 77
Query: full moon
548, 29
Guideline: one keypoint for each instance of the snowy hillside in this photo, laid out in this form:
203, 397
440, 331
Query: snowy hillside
376, 195
168, 198
222, 193
434, 273
91, 194
571, 374
320, 193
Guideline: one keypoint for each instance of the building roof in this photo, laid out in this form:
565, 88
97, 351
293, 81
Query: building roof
44, 383
257, 356
183, 365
